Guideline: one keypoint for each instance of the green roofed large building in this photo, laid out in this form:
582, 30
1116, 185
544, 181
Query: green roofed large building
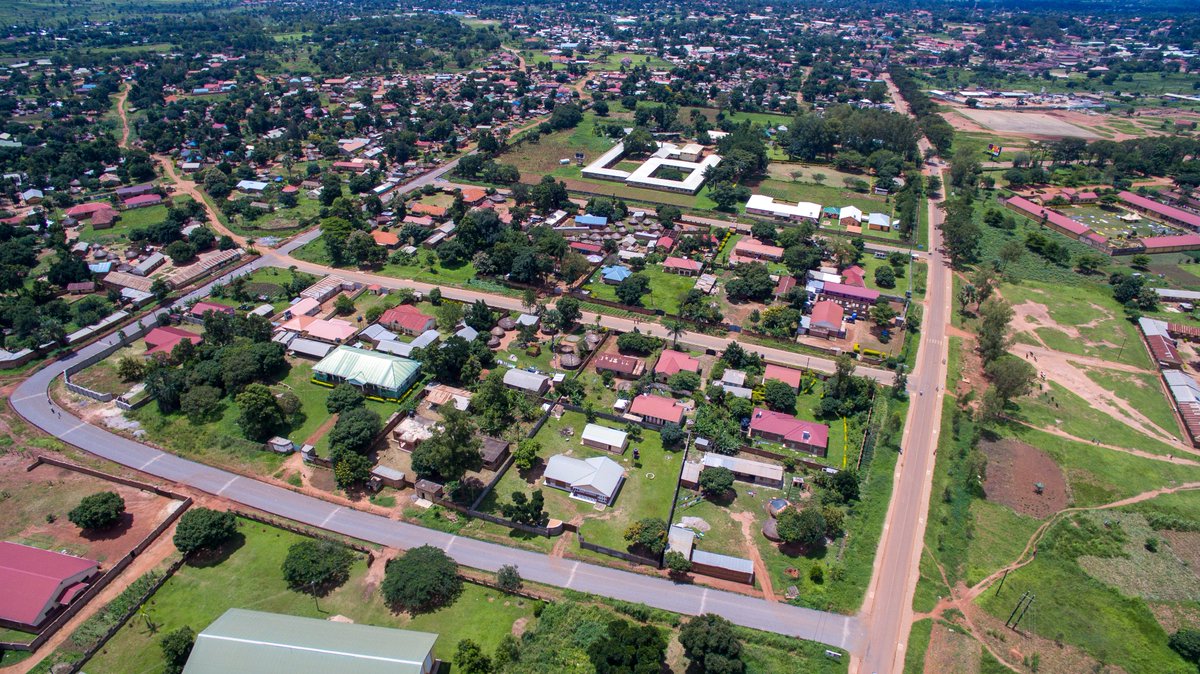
377, 374
252, 642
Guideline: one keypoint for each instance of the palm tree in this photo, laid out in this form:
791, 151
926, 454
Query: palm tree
675, 329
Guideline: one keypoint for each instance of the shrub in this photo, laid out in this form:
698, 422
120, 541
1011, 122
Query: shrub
98, 511
204, 529
421, 579
176, 647
317, 566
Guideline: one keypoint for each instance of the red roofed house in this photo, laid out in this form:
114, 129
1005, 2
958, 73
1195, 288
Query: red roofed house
682, 266
802, 436
657, 410
854, 276
385, 239
200, 308
1171, 244
666, 243
143, 201
38, 582
428, 209
587, 248
671, 362
627, 367
407, 319
786, 283
1049, 217
856, 297
826, 320
163, 339
784, 374
1170, 214
88, 211
473, 195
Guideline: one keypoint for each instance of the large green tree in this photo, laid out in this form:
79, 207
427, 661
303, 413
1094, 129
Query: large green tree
98, 511
317, 566
421, 579
204, 529
452, 451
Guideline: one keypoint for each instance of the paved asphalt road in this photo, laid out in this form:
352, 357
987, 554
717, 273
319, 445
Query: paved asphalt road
887, 612
33, 404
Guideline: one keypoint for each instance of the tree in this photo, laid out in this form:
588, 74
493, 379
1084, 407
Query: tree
350, 468
676, 562
637, 342
452, 451
421, 579
626, 648
1011, 377
527, 453
343, 305
885, 277
204, 529
649, 533
469, 658
675, 329
1011, 252
317, 566
630, 290
671, 435
98, 511
1140, 261
639, 141
711, 644
260, 412
355, 429
568, 307
752, 281
804, 527
993, 329
343, 398
526, 509
176, 646
684, 381
1186, 642
180, 252
715, 481
494, 403
201, 402
508, 578
779, 396
130, 368
882, 313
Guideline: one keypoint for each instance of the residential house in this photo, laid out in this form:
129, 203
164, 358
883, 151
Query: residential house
626, 367
803, 436
605, 438
671, 362
529, 382
657, 410
595, 480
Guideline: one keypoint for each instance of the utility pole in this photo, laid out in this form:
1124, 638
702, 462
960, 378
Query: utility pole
1027, 605
1015, 608
1002, 579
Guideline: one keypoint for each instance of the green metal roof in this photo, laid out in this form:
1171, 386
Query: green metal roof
359, 366
244, 642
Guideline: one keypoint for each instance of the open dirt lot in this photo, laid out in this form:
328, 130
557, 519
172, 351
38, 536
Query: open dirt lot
30, 499
951, 651
1027, 123
1013, 468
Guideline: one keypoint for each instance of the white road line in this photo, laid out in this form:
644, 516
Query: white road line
221, 491
331, 514
73, 428
31, 396
571, 578
703, 600
453, 540
147, 464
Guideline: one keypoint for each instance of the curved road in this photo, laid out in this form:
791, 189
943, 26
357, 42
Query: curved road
32, 402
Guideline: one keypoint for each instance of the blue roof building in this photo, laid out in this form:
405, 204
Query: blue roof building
615, 273
590, 220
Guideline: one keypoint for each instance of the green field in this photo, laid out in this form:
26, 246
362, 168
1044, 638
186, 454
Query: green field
418, 270
248, 576
127, 221
647, 492
666, 289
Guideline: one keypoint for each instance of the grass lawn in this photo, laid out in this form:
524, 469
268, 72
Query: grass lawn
1142, 391
127, 221
417, 270
248, 576
647, 492
1072, 604
102, 377
1103, 330
826, 195
613, 61
1074, 415
666, 289
918, 643
279, 222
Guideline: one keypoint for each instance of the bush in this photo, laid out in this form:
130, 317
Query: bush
176, 647
421, 579
508, 578
804, 527
711, 644
204, 529
317, 566
98, 511
342, 398
1186, 642
716, 481
676, 562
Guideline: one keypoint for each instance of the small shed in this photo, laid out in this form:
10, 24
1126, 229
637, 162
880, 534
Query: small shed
386, 476
281, 445
428, 489
605, 438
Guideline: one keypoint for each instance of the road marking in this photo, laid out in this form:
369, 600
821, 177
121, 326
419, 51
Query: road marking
147, 464
31, 396
73, 428
571, 578
703, 600
453, 540
221, 491
330, 515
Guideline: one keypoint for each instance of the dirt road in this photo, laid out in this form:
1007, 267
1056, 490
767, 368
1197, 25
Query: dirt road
186, 186
123, 113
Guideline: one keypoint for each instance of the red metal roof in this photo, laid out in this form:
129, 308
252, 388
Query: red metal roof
853, 292
789, 427
33, 579
1175, 241
681, 263
658, 407
1049, 215
407, 317
672, 361
784, 374
164, 339
1163, 210
827, 313
1163, 350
